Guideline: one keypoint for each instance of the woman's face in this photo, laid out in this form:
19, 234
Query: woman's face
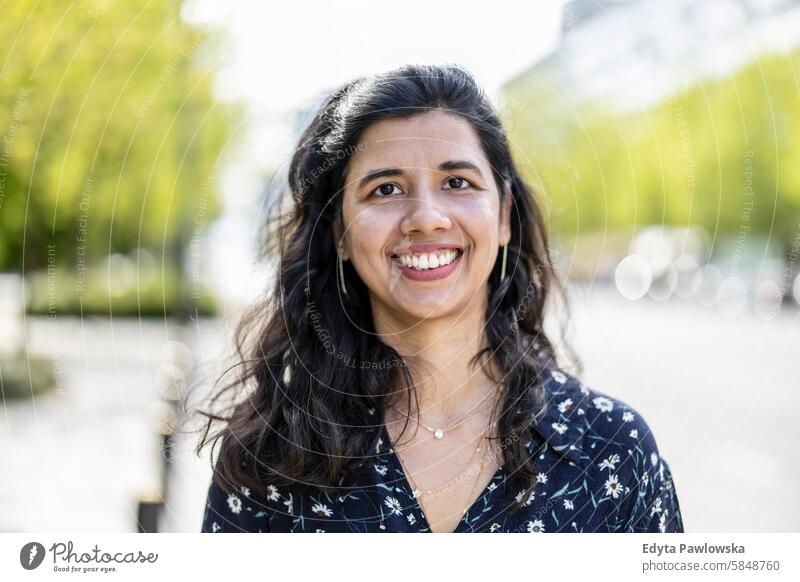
420, 192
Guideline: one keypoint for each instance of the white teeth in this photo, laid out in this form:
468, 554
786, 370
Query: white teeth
424, 261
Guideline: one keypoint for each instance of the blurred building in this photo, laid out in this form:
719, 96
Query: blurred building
633, 53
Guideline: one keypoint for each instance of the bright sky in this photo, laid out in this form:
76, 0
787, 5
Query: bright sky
285, 52
279, 57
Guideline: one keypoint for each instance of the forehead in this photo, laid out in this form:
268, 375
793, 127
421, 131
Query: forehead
422, 140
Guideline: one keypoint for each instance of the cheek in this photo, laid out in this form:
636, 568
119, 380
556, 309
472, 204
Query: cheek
369, 233
478, 218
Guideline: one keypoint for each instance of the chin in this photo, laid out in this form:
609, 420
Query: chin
431, 305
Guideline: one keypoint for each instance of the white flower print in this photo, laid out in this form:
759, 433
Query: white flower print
565, 405
627, 416
536, 526
320, 531
321, 510
653, 459
610, 462
645, 478
612, 486
378, 446
661, 472
634, 434
492, 486
411, 519
234, 503
394, 505
584, 390
289, 503
215, 527
272, 493
656, 508
494, 527
246, 491
568, 504
559, 427
581, 412
558, 376
603, 404
541, 478
381, 469
662, 523
521, 495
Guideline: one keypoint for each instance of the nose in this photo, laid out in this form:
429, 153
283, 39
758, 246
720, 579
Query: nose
425, 214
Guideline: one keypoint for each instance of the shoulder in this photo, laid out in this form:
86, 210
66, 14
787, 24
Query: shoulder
613, 444
598, 422
236, 508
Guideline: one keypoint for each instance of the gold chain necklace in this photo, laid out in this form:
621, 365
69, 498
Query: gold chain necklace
418, 493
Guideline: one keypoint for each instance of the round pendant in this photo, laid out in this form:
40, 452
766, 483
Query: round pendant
439, 434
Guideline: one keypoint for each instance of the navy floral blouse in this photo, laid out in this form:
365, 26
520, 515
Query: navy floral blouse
599, 471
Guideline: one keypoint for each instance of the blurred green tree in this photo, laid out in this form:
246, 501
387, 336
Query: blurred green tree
110, 131
720, 155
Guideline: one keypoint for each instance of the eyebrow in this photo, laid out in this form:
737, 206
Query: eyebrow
444, 166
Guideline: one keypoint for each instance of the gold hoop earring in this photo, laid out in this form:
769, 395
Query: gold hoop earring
503, 268
341, 274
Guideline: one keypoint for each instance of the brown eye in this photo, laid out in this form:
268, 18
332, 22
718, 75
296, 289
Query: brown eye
384, 190
457, 183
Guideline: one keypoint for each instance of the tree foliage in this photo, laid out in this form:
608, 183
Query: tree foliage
723, 155
110, 130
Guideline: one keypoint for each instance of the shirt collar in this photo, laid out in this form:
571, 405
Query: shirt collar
562, 422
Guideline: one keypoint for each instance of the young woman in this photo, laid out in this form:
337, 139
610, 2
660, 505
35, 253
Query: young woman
398, 378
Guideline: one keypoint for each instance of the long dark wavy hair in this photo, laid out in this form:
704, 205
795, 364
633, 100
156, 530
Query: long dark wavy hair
312, 376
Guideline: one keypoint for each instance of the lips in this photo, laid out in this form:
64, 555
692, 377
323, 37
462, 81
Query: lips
421, 267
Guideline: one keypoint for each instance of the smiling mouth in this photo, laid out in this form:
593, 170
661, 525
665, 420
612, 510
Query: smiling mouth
428, 261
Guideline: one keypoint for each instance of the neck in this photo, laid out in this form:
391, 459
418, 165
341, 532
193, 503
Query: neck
447, 386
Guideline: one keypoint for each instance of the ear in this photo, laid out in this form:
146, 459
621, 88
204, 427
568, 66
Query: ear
505, 215
337, 238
